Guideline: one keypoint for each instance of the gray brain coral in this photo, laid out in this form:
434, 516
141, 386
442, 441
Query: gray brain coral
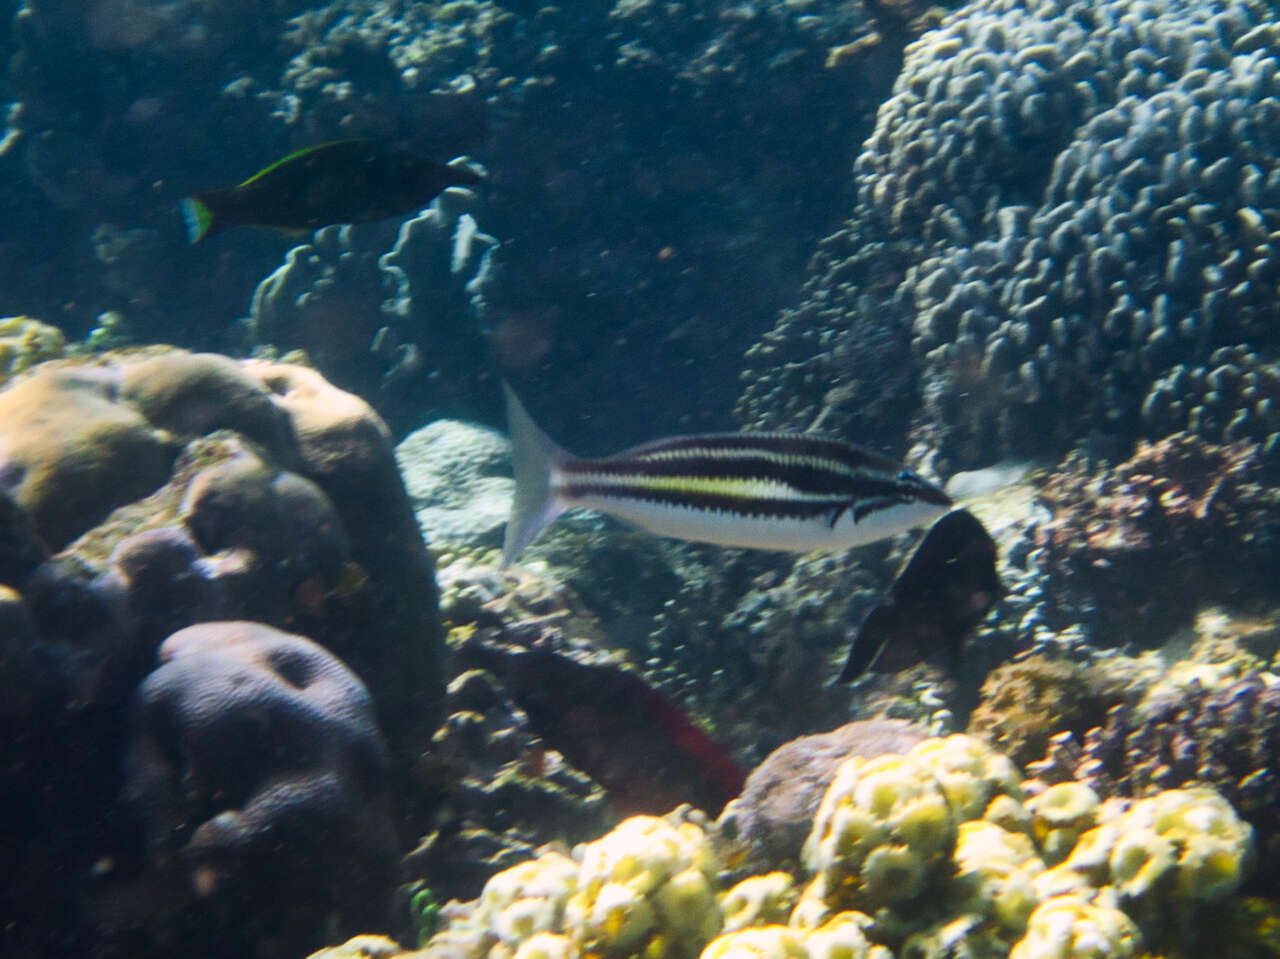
1080, 193
261, 774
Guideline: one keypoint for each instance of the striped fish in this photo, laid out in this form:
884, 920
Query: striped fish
786, 491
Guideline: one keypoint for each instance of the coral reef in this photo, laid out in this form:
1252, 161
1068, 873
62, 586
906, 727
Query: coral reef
1134, 551
746, 621
603, 717
1024, 703
939, 846
458, 477
234, 489
648, 254
645, 887
544, 730
1067, 928
884, 825
887, 827
1056, 193
496, 792
400, 326
1231, 398
1225, 734
24, 342
768, 822
257, 768
586, 702
179, 488
72, 452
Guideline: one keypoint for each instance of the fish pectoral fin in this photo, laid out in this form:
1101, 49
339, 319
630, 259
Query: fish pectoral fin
838, 512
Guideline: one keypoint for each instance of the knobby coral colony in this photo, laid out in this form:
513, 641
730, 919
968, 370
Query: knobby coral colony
1058, 192
941, 851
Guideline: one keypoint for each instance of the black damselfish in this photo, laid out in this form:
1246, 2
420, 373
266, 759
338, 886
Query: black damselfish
945, 589
346, 181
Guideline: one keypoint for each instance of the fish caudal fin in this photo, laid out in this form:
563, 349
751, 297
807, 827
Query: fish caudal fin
198, 217
534, 455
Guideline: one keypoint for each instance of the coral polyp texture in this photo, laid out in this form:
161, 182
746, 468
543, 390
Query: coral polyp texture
1067, 927
935, 852
176, 487
257, 767
1056, 193
24, 342
1225, 732
1179, 846
1135, 550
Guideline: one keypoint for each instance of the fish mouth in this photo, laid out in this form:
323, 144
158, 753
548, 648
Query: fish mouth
915, 488
925, 492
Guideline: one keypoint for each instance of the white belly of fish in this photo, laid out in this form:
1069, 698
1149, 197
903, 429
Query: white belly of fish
763, 532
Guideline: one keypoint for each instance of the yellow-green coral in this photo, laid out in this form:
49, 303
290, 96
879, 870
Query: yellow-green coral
968, 937
937, 847
758, 901
843, 937
645, 888
994, 877
883, 824
1181, 844
1070, 927
547, 945
1059, 816
24, 342
361, 947
1210, 845
528, 898
970, 772
760, 942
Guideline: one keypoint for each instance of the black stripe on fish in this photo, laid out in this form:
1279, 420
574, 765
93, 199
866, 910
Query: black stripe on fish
810, 466
776, 447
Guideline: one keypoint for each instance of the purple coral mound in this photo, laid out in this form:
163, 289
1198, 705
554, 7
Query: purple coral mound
261, 777
769, 822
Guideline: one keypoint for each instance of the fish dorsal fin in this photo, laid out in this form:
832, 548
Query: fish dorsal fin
315, 147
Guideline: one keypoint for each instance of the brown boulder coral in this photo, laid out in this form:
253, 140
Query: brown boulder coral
70, 450
177, 489
278, 492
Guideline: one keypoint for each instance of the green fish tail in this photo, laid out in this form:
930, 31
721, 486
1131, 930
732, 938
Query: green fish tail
198, 217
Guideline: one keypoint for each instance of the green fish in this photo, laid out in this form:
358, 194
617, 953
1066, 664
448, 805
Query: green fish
346, 181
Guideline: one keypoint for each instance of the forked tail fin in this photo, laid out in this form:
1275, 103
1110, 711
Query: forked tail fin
535, 455
198, 217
